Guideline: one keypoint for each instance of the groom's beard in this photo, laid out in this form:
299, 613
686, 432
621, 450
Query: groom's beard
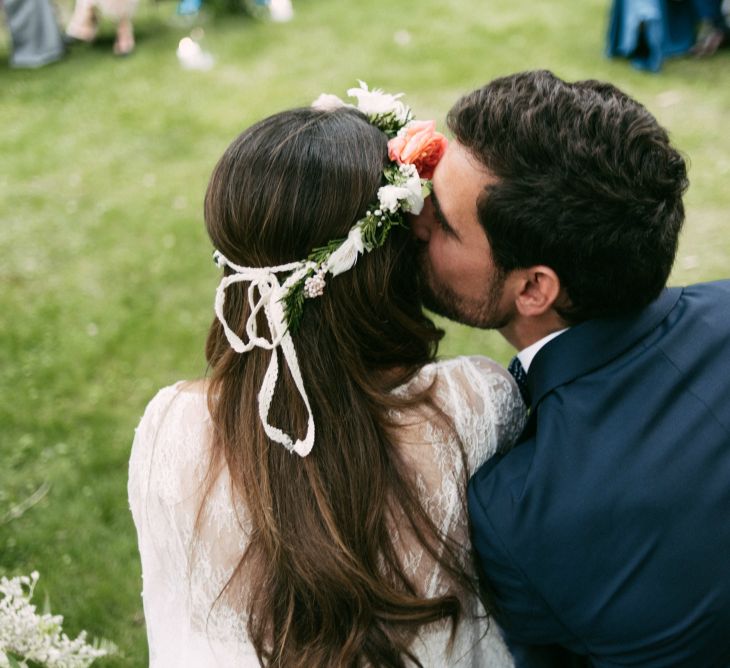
442, 300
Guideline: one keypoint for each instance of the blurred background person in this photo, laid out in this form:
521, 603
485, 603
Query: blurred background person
648, 31
279, 11
712, 30
84, 22
34, 32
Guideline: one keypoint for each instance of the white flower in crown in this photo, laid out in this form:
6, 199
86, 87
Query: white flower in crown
327, 102
409, 193
414, 185
377, 103
390, 197
345, 256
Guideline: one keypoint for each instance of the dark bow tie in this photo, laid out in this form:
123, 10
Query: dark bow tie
520, 375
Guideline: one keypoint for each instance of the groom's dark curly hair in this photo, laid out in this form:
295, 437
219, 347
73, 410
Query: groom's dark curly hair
588, 184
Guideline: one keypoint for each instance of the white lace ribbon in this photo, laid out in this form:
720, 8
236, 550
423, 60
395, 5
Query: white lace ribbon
263, 281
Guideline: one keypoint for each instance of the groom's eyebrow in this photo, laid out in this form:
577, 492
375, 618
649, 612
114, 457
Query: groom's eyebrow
440, 215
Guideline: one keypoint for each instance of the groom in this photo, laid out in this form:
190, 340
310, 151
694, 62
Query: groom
604, 534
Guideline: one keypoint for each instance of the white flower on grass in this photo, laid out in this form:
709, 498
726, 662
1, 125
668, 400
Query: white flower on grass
377, 103
29, 636
327, 102
345, 256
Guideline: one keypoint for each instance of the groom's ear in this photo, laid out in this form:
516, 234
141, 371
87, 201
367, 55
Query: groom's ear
539, 289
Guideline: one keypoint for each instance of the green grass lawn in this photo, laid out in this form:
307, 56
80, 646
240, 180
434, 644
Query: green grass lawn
105, 272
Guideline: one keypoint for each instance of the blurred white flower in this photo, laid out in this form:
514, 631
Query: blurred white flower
281, 11
669, 98
327, 102
192, 56
402, 37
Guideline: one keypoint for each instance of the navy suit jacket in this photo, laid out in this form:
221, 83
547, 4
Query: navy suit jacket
605, 532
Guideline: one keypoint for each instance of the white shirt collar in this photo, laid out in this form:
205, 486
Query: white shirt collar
528, 354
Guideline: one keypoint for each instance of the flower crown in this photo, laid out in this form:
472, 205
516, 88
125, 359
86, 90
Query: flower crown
414, 149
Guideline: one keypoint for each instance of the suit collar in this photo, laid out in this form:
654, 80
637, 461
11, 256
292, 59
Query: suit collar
592, 344
526, 355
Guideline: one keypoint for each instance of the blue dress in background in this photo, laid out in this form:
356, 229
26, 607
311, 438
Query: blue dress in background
648, 31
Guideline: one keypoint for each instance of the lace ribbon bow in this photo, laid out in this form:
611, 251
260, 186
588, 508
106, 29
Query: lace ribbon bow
263, 281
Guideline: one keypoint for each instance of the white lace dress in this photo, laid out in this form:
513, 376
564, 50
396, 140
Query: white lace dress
169, 461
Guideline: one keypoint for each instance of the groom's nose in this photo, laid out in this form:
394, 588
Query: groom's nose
422, 223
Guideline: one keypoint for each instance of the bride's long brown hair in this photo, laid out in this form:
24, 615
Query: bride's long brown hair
320, 580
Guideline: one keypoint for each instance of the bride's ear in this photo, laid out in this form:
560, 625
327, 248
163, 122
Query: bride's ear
539, 290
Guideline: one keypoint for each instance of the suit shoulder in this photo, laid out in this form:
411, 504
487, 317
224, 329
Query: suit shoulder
712, 290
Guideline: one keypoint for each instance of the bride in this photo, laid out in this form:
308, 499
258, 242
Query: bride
304, 505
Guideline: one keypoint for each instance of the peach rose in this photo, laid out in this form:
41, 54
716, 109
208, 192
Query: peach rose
418, 144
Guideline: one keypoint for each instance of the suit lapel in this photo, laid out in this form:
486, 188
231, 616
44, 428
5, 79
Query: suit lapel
592, 344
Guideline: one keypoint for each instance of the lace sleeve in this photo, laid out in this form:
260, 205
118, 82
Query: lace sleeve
187, 553
165, 473
485, 405
162, 554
